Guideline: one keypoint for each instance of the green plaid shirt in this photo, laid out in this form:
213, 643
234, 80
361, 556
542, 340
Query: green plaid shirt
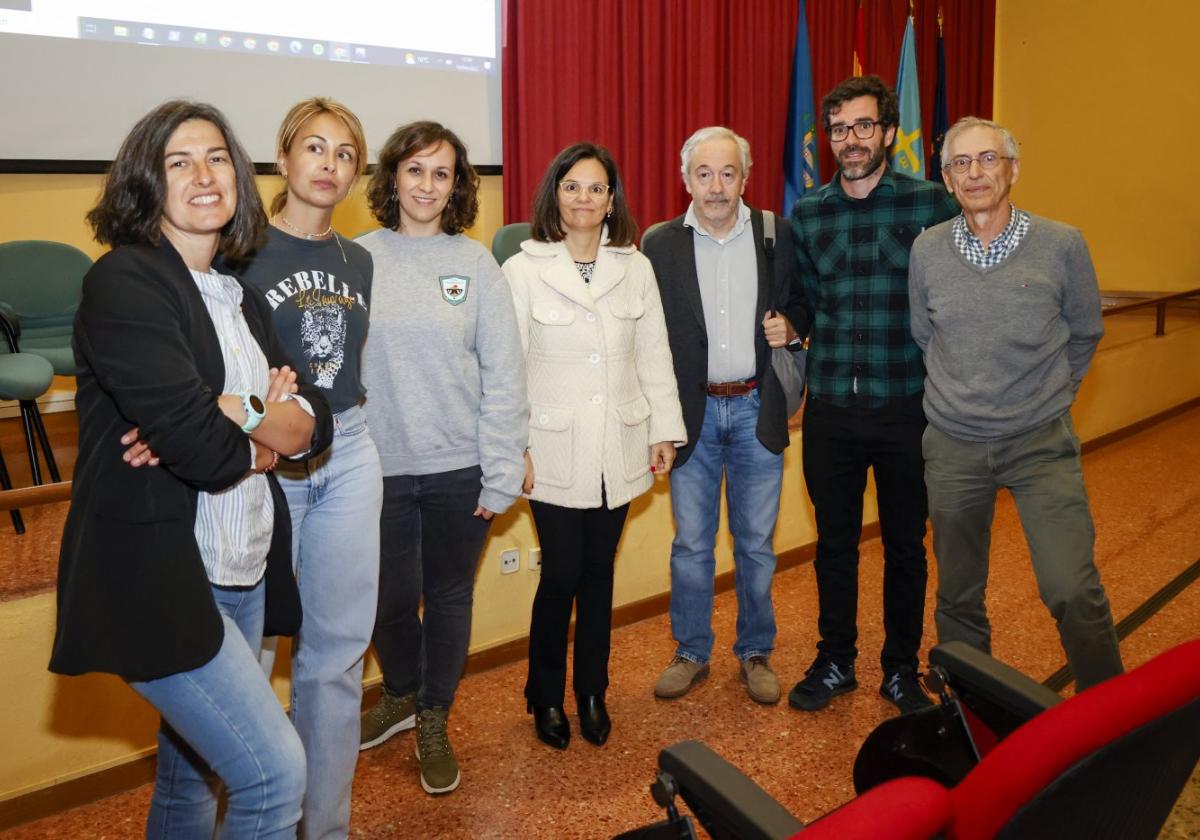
853, 257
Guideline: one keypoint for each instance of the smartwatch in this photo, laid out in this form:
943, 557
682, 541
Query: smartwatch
255, 412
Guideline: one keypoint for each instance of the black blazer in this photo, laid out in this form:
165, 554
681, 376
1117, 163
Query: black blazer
133, 596
672, 253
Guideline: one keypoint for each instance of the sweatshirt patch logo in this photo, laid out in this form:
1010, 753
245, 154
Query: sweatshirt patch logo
454, 288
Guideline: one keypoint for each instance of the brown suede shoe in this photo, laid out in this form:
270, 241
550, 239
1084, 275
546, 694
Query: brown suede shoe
679, 677
761, 682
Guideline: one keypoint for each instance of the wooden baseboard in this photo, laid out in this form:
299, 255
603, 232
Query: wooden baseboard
1140, 426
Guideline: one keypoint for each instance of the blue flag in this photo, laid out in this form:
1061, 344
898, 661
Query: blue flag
800, 172
908, 153
941, 113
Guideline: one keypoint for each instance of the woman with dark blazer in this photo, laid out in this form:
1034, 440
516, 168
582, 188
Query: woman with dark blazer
164, 561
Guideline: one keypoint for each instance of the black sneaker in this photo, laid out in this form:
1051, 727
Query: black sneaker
823, 681
903, 689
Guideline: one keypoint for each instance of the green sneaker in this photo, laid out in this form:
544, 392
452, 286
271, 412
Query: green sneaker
393, 713
439, 768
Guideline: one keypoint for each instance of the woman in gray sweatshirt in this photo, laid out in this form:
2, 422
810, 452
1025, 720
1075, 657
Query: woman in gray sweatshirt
445, 380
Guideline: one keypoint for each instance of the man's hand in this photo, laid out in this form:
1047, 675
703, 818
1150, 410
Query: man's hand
778, 330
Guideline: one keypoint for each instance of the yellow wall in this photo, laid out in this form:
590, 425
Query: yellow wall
53, 207
1102, 96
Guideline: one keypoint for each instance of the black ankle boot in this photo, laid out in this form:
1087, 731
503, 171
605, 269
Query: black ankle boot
594, 723
551, 724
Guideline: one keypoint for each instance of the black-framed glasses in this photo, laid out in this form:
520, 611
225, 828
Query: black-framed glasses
962, 164
863, 130
595, 189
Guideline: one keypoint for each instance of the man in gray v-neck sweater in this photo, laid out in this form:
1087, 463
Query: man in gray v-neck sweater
1006, 310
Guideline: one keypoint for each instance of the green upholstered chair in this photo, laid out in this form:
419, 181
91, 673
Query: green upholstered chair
508, 239
41, 283
20, 376
23, 378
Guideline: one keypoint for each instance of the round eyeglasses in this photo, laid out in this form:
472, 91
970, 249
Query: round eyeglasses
595, 190
962, 164
863, 130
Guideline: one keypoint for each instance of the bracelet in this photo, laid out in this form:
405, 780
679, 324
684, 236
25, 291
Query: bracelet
274, 462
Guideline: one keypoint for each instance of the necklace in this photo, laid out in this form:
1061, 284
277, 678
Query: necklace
322, 235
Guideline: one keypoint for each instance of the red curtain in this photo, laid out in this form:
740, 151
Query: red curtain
639, 76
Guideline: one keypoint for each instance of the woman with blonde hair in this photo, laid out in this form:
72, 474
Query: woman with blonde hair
318, 287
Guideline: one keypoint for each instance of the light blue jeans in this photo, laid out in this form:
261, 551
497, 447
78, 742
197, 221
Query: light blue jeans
753, 478
223, 721
334, 501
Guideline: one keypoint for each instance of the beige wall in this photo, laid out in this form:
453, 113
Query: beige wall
1102, 96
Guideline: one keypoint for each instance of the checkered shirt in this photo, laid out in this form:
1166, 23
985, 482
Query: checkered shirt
972, 249
853, 257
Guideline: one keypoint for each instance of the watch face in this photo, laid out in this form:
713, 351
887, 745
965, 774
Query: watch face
257, 404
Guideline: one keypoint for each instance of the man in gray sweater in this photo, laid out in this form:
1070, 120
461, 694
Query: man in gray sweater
1006, 310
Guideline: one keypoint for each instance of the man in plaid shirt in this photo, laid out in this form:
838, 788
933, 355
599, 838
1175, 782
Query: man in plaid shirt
865, 379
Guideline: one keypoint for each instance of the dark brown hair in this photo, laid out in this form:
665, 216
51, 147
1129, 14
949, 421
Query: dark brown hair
131, 203
547, 221
856, 86
406, 141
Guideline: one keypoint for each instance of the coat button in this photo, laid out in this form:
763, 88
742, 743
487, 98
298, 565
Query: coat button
543, 419
597, 399
594, 358
553, 316
591, 316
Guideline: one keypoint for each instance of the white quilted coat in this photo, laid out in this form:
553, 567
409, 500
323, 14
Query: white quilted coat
600, 380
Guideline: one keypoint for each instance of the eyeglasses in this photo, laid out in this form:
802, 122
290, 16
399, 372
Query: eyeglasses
863, 130
962, 164
594, 190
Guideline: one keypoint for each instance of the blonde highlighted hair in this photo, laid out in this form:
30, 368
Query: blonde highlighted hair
301, 113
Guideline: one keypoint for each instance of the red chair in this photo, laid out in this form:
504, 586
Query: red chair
1107, 763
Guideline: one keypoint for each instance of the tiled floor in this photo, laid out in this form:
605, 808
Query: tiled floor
1146, 502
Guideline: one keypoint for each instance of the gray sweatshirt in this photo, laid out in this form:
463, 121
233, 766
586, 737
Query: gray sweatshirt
443, 366
1005, 347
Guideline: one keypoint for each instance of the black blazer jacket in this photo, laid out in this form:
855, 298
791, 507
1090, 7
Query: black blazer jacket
672, 253
133, 596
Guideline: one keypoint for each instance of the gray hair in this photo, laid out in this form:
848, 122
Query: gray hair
1011, 150
714, 132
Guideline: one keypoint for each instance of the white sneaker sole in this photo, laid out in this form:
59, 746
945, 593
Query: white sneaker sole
409, 722
429, 788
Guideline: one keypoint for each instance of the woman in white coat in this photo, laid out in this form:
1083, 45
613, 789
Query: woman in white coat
604, 419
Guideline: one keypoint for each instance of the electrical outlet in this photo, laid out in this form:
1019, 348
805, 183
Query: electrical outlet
535, 559
510, 561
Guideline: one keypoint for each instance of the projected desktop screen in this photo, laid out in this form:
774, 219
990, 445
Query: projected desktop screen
78, 73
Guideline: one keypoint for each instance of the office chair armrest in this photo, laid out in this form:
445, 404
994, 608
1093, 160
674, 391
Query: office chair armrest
11, 324
723, 798
976, 673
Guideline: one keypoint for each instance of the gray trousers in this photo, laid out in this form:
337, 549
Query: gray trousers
1041, 469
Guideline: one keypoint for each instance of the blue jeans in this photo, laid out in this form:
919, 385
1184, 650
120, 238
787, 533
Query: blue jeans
753, 478
223, 721
334, 501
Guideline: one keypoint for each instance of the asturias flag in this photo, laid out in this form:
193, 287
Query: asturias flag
908, 153
800, 173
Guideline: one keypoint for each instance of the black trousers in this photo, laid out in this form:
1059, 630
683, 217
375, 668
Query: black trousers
429, 549
578, 550
839, 445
